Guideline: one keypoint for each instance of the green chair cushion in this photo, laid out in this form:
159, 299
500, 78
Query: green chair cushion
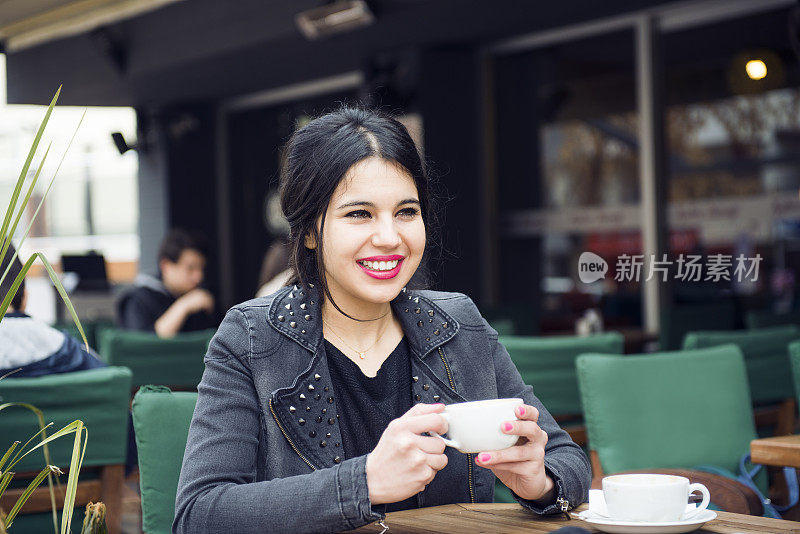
176, 362
765, 354
98, 397
548, 364
667, 410
161, 419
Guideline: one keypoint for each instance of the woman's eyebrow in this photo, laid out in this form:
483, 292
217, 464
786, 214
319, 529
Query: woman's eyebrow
372, 205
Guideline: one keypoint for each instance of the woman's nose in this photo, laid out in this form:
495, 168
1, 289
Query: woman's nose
386, 235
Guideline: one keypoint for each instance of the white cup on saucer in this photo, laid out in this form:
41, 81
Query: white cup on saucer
477, 426
651, 498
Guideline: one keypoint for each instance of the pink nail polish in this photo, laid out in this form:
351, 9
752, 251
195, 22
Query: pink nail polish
484, 457
521, 410
507, 427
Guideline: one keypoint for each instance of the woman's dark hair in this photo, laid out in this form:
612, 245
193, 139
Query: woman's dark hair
316, 159
13, 272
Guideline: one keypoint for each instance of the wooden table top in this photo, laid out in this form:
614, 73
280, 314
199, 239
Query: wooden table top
487, 518
781, 451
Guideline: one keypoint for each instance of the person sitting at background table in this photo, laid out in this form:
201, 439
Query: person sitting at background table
29, 347
173, 301
315, 403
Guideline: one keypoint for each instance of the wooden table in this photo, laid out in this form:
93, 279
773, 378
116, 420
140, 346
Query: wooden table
499, 518
781, 451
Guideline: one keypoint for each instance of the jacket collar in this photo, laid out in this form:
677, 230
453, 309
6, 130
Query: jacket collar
296, 313
307, 408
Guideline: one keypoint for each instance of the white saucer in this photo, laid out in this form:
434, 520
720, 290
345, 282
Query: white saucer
605, 524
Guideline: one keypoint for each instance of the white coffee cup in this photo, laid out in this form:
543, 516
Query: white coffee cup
477, 426
651, 498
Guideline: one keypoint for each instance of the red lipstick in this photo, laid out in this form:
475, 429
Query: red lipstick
382, 275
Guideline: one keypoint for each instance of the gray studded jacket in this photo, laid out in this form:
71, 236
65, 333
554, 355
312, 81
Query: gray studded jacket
264, 450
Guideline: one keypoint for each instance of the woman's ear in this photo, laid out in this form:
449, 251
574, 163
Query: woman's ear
310, 241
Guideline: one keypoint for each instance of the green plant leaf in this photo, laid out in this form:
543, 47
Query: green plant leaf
4, 459
5, 480
24, 172
22, 208
27, 493
15, 286
56, 282
39, 206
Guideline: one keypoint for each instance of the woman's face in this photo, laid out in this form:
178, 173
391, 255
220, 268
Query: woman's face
374, 236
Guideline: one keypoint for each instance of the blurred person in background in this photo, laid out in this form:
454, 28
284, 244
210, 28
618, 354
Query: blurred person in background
173, 301
275, 271
29, 346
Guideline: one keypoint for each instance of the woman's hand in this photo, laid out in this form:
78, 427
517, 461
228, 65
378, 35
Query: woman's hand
404, 462
521, 467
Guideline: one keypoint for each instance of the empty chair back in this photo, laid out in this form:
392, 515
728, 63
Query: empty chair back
548, 364
667, 410
766, 356
175, 362
98, 397
161, 419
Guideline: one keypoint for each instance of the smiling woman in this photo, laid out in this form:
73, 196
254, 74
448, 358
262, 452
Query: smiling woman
320, 403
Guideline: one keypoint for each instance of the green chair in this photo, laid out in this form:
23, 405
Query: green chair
684, 318
504, 327
765, 319
92, 330
667, 410
176, 362
794, 361
99, 398
548, 364
161, 419
767, 360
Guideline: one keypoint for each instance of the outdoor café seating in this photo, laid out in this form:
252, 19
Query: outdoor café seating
669, 410
99, 398
766, 357
161, 419
176, 362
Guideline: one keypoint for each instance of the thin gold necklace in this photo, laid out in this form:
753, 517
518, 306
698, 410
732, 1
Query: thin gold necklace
361, 353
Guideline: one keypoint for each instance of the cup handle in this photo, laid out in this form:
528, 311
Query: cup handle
703, 505
448, 442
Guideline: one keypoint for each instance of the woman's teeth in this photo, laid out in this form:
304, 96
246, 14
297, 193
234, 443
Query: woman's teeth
379, 265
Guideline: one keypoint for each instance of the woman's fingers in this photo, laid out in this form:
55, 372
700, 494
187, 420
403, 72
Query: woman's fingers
518, 453
430, 445
422, 409
432, 422
527, 412
529, 429
437, 461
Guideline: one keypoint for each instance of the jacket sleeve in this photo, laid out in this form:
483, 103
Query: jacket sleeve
564, 461
218, 491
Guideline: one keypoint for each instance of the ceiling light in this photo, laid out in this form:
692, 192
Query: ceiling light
336, 17
756, 69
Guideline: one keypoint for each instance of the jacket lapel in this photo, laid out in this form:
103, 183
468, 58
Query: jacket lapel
306, 410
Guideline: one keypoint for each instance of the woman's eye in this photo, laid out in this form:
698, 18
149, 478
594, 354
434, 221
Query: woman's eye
408, 212
358, 214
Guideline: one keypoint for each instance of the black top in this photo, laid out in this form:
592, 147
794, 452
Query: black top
368, 404
141, 307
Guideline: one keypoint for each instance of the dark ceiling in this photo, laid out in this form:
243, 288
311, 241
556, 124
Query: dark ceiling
211, 49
